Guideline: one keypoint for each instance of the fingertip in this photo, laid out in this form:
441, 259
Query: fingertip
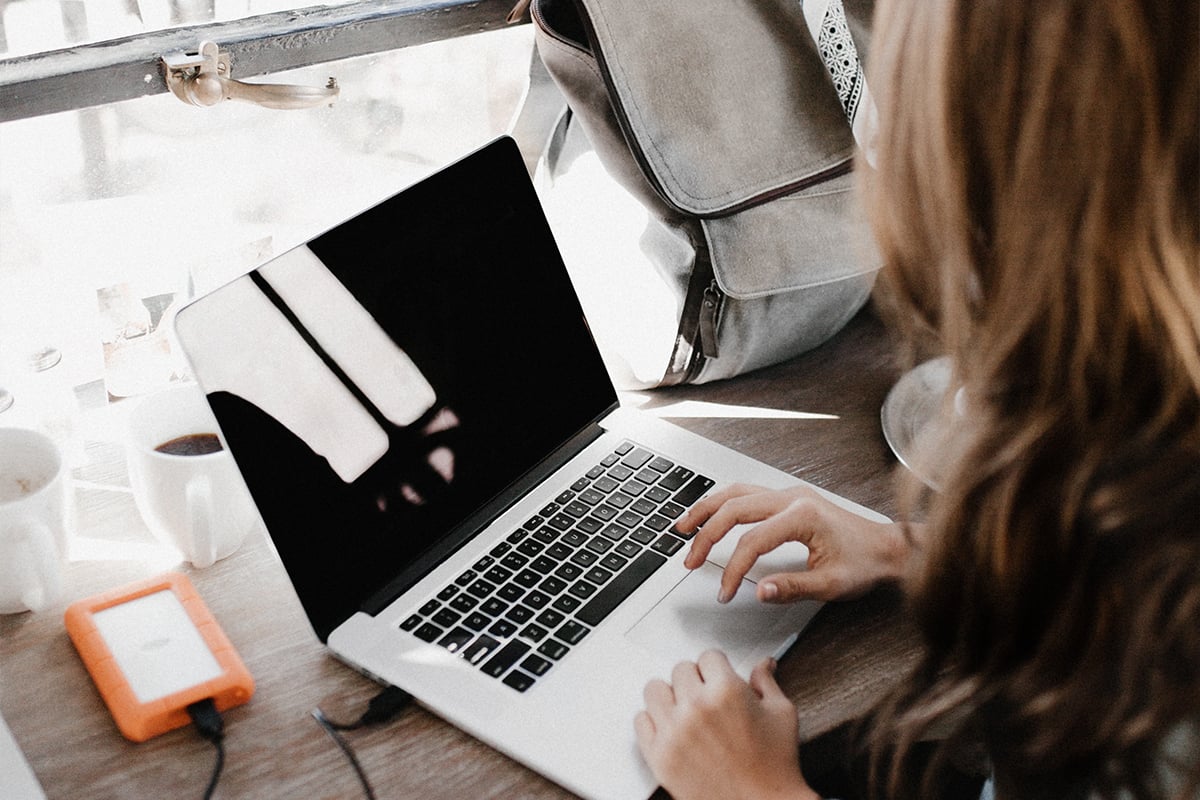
768, 591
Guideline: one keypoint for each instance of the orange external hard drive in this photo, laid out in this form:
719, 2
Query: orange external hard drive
153, 649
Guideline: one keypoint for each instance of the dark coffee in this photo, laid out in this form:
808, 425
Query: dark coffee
194, 444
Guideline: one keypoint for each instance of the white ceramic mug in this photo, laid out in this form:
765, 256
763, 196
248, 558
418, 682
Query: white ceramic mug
197, 504
34, 520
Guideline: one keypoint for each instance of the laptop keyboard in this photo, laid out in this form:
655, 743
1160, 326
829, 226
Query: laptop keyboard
522, 607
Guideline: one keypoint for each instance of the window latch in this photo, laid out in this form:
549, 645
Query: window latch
203, 79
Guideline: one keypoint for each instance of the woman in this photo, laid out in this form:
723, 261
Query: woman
1037, 205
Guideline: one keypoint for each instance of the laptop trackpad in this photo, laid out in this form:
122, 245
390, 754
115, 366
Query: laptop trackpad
689, 620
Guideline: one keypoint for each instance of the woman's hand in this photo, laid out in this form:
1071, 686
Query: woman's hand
847, 554
708, 734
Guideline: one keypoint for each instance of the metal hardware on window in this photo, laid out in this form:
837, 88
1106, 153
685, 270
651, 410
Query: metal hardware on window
202, 79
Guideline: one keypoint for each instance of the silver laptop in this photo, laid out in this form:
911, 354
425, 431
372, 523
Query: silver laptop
464, 508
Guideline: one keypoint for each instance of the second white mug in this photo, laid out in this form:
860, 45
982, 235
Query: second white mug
185, 481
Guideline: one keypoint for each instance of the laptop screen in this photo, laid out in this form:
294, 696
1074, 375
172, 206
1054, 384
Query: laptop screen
381, 385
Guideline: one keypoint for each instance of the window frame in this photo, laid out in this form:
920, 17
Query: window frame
131, 67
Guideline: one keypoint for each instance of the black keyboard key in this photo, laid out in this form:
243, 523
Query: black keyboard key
411, 623
604, 512
621, 587
585, 557
647, 476
675, 478
633, 488
577, 509
657, 494
580, 485
568, 571
660, 464
514, 561
620, 472
497, 575
543, 565
598, 575
477, 621
571, 632
533, 632
456, 639
591, 497
629, 548
503, 628
428, 632
480, 649
493, 607
672, 510
518, 680
619, 499
643, 506
536, 599
530, 547
629, 518
598, 545
519, 614
595, 472
481, 588
613, 561
429, 608
504, 658
657, 522
693, 491
550, 618
510, 592
587, 525
447, 593
567, 603
518, 534
605, 485
500, 549
464, 603
643, 535
564, 498
610, 459
483, 563
667, 544
533, 523
553, 648
562, 521
614, 531
552, 585
576, 537
445, 618
582, 589
549, 511
546, 535
637, 458
558, 551
623, 448
537, 665
527, 578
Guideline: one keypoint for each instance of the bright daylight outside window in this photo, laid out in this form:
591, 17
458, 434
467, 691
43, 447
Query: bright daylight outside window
112, 216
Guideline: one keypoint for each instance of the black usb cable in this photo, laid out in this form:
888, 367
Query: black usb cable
211, 726
382, 707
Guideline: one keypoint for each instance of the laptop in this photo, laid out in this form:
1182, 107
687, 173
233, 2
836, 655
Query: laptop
463, 506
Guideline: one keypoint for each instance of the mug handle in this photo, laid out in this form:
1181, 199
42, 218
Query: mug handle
43, 582
201, 514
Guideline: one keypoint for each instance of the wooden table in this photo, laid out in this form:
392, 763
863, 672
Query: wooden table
849, 655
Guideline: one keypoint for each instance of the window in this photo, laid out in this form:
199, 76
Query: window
112, 211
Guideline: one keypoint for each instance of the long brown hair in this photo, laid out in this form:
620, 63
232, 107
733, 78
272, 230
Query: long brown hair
1037, 206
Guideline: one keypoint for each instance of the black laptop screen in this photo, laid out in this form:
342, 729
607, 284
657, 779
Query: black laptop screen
462, 274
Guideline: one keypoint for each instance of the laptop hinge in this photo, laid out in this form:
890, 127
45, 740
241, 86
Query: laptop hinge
477, 522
